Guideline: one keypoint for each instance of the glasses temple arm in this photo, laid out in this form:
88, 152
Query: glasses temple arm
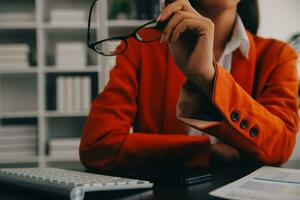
89, 23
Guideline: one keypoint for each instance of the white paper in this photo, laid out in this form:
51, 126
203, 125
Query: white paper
266, 183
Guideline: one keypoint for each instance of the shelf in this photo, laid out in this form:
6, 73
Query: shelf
19, 159
28, 95
75, 70
126, 23
23, 114
31, 70
17, 25
68, 26
66, 114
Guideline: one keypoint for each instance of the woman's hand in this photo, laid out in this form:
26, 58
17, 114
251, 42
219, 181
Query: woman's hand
190, 37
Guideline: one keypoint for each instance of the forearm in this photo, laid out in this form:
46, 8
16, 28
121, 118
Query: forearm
257, 126
121, 149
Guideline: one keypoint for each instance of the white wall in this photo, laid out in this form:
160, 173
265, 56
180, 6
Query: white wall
279, 18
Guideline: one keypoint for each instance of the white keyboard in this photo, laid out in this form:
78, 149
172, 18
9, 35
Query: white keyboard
67, 182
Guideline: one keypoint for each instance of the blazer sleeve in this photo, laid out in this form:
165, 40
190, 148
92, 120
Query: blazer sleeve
106, 142
264, 127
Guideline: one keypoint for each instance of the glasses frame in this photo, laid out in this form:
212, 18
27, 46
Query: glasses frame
124, 38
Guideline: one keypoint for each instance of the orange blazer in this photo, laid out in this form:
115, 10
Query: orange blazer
253, 108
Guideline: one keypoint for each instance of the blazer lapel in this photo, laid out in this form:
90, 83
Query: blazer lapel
243, 69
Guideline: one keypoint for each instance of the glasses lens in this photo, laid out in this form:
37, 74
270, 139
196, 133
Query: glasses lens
149, 33
111, 47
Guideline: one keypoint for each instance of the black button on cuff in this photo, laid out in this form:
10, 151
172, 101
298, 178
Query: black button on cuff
244, 124
235, 116
254, 131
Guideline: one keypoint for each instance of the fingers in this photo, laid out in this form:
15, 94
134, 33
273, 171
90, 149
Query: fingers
182, 17
181, 28
174, 21
198, 25
179, 5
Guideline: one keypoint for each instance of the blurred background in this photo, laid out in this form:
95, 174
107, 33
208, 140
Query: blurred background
48, 77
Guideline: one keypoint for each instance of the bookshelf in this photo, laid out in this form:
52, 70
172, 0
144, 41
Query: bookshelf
27, 95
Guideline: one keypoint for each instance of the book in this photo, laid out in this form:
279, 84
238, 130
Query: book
15, 131
14, 49
73, 94
76, 94
64, 95
57, 13
18, 153
14, 65
64, 143
66, 16
68, 94
70, 54
86, 93
10, 59
31, 139
17, 147
14, 56
64, 147
65, 154
17, 17
60, 94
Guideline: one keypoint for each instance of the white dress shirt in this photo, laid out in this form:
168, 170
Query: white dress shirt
239, 40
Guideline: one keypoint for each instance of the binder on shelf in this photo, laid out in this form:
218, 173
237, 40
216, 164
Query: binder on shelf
69, 96
76, 94
86, 93
60, 94
73, 94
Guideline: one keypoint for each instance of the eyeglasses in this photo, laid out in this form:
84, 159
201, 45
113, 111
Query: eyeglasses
113, 46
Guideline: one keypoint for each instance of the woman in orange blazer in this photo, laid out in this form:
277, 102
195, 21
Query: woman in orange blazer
161, 89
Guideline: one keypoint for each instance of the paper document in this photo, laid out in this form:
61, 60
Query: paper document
266, 183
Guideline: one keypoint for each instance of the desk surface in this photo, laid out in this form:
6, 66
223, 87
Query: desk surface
221, 176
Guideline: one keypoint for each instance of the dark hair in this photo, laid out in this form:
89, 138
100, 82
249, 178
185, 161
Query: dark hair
249, 13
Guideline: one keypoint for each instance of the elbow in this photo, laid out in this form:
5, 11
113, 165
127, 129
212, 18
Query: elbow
93, 160
280, 153
100, 151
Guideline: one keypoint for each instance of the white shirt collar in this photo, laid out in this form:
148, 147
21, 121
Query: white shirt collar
239, 40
